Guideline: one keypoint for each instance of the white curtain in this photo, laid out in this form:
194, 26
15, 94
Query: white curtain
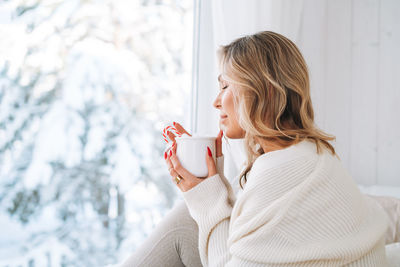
351, 48
235, 18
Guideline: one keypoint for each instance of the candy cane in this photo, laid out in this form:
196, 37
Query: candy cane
170, 129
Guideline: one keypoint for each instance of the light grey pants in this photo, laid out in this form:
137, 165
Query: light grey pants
174, 242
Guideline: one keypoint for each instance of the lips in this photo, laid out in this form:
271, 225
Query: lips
223, 118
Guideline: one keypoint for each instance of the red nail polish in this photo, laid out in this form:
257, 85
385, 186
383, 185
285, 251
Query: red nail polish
165, 155
174, 123
209, 151
170, 153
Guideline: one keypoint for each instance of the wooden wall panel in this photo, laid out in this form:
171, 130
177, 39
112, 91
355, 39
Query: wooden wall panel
388, 94
338, 75
314, 51
354, 67
364, 84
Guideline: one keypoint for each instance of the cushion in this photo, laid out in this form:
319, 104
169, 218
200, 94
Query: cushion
393, 254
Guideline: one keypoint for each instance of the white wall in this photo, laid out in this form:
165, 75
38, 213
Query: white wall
353, 82
352, 50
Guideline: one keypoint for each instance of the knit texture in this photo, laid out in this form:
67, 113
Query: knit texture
298, 208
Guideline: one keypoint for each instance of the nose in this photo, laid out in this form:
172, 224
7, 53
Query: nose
217, 102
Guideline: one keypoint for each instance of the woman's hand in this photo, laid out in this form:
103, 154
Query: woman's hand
218, 140
182, 177
186, 180
180, 129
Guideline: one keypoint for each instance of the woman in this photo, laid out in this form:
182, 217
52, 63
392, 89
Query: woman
296, 205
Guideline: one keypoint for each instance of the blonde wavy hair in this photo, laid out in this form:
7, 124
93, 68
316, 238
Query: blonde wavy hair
273, 101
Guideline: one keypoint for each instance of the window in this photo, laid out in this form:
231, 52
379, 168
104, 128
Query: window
86, 88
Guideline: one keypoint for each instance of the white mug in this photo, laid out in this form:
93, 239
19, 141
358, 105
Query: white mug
192, 151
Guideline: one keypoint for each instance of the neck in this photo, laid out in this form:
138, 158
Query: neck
269, 146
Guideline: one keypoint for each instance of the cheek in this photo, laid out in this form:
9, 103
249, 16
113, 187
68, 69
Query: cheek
231, 122
227, 102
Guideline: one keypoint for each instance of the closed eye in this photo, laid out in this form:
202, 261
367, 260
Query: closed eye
226, 86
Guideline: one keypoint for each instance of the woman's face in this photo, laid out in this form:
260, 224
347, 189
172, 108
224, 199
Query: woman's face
228, 119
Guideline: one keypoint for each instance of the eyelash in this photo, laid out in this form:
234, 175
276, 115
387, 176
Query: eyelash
224, 87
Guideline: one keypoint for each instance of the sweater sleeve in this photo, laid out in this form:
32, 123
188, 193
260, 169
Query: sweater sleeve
208, 204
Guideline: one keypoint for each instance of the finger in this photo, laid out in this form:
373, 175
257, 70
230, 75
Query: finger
174, 147
189, 179
167, 151
180, 184
218, 144
177, 165
171, 136
171, 170
183, 186
180, 128
212, 169
173, 153
167, 155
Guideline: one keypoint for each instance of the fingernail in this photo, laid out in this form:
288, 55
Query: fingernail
174, 123
209, 151
170, 153
165, 155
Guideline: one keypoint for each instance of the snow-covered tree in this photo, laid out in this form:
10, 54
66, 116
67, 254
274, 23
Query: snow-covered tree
85, 90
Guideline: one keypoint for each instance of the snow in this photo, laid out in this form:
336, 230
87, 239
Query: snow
82, 176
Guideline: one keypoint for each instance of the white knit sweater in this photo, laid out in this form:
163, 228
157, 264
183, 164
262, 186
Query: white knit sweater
298, 208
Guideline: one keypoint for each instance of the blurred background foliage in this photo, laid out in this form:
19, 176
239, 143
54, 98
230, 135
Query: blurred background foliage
86, 88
